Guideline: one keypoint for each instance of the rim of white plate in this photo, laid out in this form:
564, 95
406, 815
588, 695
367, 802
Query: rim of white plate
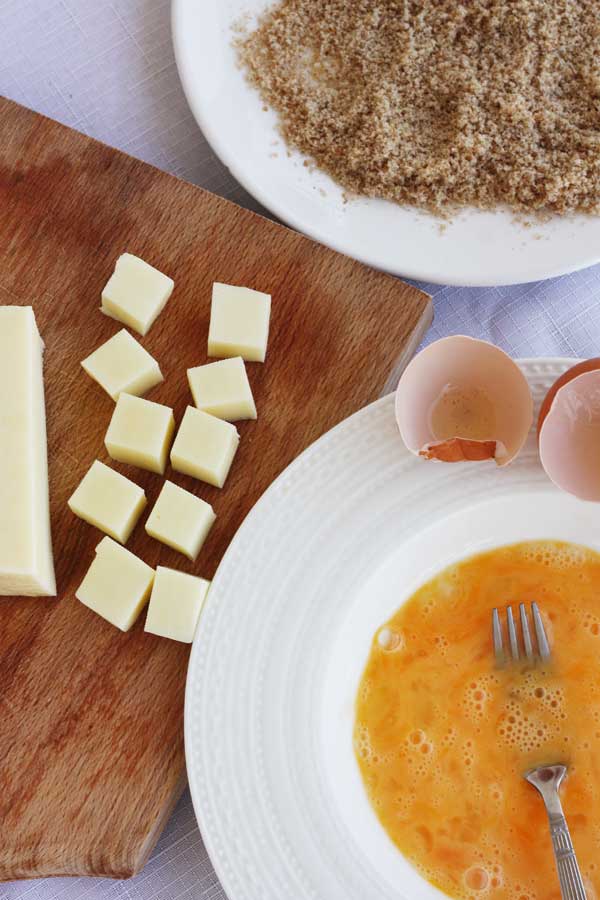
522, 259
228, 713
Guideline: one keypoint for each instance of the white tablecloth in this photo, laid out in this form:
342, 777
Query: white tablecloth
106, 67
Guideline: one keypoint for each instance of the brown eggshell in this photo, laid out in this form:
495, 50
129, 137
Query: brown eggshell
464, 364
588, 365
569, 431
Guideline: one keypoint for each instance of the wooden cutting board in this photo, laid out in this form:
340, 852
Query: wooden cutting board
90, 718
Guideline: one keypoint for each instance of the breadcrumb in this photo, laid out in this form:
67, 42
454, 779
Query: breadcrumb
439, 104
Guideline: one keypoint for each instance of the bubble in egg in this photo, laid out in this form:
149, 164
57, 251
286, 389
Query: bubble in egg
389, 640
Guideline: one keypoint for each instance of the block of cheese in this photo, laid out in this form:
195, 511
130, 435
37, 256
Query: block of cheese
136, 293
175, 604
204, 447
108, 501
117, 584
223, 390
26, 565
122, 364
140, 433
180, 520
239, 322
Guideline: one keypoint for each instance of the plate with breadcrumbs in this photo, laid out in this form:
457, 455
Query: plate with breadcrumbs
456, 143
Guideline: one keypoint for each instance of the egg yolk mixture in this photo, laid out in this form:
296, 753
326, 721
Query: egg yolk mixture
443, 738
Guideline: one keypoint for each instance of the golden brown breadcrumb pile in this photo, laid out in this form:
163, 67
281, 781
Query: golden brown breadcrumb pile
439, 103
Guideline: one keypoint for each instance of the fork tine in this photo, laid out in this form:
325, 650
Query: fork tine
512, 634
497, 635
526, 633
540, 633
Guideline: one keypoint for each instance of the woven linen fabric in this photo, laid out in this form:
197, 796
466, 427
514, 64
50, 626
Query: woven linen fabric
106, 67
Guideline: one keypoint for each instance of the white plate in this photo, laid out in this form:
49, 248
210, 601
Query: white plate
330, 551
476, 248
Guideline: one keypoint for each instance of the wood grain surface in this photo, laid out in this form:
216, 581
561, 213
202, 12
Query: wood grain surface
91, 719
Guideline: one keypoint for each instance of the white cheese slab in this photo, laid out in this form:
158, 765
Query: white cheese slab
239, 322
175, 604
117, 584
108, 501
223, 390
180, 520
204, 447
26, 564
140, 433
136, 293
122, 365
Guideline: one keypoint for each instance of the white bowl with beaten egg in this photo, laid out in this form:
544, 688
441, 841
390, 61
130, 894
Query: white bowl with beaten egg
333, 548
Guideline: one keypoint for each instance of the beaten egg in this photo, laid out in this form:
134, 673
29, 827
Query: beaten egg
443, 738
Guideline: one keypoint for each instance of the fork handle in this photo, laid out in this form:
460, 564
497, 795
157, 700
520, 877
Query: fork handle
571, 883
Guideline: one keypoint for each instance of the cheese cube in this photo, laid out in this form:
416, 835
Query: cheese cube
223, 390
26, 566
180, 520
122, 364
117, 584
140, 433
136, 293
239, 322
204, 447
108, 501
175, 604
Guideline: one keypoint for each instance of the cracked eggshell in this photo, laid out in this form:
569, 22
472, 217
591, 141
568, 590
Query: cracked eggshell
464, 399
569, 431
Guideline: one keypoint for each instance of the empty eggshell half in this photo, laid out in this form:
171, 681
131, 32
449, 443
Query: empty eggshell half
569, 431
464, 399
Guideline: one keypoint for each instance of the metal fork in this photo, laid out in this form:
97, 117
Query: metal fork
546, 779
542, 652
